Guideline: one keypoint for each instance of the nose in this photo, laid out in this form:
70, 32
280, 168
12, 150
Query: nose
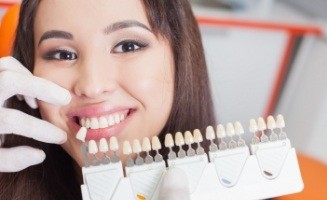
94, 81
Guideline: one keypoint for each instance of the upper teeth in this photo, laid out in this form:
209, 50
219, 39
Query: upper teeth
102, 121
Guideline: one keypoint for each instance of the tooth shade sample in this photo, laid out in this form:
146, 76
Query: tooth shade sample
103, 146
137, 146
179, 139
127, 149
156, 145
221, 133
271, 123
146, 145
280, 123
113, 144
253, 126
188, 138
197, 136
261, 124
81, 134
239, 130
169, 141
230, 131
93, 148
210, 133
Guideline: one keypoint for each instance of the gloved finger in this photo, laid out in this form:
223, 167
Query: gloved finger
31, 102
11, 64
12, 83
18, 158
174, 185
14, 121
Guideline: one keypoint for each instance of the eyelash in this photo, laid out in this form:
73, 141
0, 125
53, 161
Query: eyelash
140, 45
57, 54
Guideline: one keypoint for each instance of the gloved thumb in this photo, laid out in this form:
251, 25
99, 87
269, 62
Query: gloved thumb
175, 185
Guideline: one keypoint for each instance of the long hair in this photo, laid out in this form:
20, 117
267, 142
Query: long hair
192, 105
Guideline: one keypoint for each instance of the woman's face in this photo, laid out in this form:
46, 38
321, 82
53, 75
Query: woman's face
119, 73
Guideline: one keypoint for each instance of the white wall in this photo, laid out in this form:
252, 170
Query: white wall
243, 65
304, 101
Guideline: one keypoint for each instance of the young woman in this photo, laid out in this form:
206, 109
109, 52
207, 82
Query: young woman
140, 63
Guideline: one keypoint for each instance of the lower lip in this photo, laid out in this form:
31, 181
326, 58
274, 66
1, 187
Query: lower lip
97, 134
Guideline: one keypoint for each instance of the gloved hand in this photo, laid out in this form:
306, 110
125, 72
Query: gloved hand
175, 185
16, 79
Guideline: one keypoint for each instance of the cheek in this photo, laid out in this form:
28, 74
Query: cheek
52, 114
154, 88
60, 76
152, 80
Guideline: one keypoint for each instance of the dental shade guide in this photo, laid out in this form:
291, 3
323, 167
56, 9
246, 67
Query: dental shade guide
80, 135
266, 168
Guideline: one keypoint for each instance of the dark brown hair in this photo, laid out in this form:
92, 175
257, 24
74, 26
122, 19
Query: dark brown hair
192, 105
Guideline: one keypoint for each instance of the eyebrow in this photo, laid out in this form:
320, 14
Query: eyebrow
56, 34
124, 24
109, 29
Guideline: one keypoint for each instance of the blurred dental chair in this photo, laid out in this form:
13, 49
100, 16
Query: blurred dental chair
8, 25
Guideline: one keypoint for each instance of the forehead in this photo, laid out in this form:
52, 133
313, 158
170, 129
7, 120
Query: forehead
86, 15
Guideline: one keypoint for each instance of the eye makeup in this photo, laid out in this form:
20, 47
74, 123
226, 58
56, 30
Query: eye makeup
129, 46
59, 54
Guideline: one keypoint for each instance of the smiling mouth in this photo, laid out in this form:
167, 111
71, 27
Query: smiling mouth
102, 121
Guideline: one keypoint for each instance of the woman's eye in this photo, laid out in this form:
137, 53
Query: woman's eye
61, 55
128, 46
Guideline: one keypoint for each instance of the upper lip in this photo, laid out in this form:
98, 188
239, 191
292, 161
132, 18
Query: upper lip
98, 110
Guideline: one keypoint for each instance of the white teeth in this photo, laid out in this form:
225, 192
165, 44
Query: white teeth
102, 121
137, 146
113, 144
146, 145
179, 139
111, 120
221, 133
253, 127
103, 146
117, 119
122, 117
82, 122
169, 142
94, 123
127, 149
188, 138
156, 145
87, 123
239, 130
197, 136
230, 131
261, 124
81, 134
210, 133
280, 123
271, 123
93, 148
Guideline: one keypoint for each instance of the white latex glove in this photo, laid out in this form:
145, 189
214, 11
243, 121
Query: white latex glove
16, 79
175, 185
